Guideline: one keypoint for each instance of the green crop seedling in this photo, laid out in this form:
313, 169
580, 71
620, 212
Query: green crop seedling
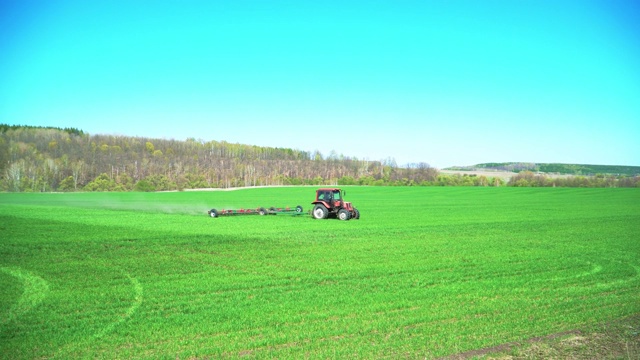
427, 272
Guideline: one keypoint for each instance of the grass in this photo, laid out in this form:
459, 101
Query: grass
425, 273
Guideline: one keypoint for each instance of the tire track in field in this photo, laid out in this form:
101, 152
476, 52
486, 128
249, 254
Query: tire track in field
137, 301
597, 268
621, 281
138, 298
35, 290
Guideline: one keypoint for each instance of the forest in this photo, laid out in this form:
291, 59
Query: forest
46, 159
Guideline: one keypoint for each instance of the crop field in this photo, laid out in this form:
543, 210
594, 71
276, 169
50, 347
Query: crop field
426, 272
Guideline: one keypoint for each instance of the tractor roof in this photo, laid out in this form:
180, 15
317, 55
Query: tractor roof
329, 189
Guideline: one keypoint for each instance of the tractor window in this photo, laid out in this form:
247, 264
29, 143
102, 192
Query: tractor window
330, 196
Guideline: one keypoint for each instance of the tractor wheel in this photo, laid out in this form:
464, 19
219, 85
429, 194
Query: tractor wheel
298, 209
344, 214
213, 213
262, 211
357, 216
320, 212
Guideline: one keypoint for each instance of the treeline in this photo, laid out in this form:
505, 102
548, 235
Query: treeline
531, 179
37, 159
4, 128
590, 170
563, 169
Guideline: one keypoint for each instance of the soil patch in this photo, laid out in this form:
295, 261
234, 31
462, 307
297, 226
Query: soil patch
619, 339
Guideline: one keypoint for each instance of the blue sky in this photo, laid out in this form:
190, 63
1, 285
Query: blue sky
442, 82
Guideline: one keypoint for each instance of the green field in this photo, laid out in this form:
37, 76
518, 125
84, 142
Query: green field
426, 272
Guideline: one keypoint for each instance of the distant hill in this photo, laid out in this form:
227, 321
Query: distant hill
564, 169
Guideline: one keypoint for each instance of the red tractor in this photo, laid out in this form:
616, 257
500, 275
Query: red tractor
329, 201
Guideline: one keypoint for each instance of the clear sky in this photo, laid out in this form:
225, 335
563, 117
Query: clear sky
443, 82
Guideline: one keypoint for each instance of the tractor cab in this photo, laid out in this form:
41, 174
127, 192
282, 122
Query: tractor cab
330, 196
330, 201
